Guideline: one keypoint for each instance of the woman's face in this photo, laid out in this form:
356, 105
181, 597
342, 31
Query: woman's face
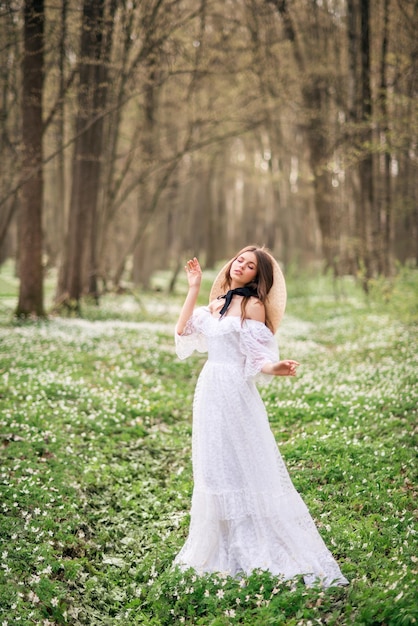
243, 269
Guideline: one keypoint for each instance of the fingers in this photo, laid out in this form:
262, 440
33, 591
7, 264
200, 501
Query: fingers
286, 368
292, 365
191, 265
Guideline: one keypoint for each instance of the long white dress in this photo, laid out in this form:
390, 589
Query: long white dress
246, 513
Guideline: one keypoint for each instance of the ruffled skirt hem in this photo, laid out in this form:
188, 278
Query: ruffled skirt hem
286, 543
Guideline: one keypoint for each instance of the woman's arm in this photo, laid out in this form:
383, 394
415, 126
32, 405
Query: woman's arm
281, 368
256, 311
194, 278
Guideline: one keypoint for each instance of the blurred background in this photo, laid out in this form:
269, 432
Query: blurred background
135, 134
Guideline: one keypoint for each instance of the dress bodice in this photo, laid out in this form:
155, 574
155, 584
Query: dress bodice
248, 344
224, 344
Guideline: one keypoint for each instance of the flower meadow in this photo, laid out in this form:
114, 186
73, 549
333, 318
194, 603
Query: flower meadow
96, 477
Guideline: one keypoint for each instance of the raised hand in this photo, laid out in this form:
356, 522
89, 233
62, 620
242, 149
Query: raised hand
194, 272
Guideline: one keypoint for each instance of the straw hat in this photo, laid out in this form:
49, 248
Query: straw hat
275, 302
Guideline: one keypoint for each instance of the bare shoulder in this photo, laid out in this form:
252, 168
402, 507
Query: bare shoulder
215, 305
255, 310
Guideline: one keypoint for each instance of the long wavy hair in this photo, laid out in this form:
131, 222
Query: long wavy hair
263, 280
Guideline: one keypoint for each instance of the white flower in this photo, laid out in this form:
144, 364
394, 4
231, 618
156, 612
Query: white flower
54, 601
220, 593
32, 597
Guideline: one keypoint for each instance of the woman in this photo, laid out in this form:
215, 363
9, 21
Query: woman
245, 512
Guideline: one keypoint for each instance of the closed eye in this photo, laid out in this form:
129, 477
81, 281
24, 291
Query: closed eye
241, 261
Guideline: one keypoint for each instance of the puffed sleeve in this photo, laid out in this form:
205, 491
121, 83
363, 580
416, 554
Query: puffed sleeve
259, 347
192, 337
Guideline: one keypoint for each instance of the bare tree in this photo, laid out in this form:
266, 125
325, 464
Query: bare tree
310, 54
30, 209
79, 269
386, 197
10, 53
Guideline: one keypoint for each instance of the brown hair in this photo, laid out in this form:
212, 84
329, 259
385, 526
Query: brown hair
263, 281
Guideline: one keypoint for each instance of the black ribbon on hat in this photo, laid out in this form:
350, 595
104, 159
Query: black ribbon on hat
247, 292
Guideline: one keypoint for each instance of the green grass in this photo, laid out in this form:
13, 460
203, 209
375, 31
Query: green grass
95, 478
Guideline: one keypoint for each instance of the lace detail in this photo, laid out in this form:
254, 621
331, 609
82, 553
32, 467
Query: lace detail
192, 337
246, 513
258, 344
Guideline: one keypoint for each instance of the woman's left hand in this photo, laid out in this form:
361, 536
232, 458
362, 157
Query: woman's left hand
284, 368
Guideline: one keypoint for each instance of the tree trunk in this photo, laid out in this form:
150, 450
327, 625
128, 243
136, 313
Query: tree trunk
360, 111
386, 241
141, 261
30, 211
369, 226
100, 102
55, 201
10, 127
78, 270
316, 103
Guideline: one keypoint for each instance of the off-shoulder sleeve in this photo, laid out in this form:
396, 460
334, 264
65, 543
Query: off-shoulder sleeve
259, 347
192, 337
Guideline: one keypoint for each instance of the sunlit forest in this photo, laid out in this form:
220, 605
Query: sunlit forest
135, 134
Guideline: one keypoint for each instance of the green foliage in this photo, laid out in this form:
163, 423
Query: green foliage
95, 478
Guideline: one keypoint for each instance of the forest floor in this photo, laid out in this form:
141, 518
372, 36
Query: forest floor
95, 477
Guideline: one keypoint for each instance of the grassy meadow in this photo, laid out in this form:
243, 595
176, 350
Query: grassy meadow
95, 461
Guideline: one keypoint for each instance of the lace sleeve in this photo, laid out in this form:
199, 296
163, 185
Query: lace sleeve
259, 346
192, 337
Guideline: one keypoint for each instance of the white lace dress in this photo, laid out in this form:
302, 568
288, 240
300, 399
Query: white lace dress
246, 513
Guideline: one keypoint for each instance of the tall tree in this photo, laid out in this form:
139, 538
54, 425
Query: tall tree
10, 125
386, 241
54, 243
30, 209
310, 54
78, 272
366, 206
367, 223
